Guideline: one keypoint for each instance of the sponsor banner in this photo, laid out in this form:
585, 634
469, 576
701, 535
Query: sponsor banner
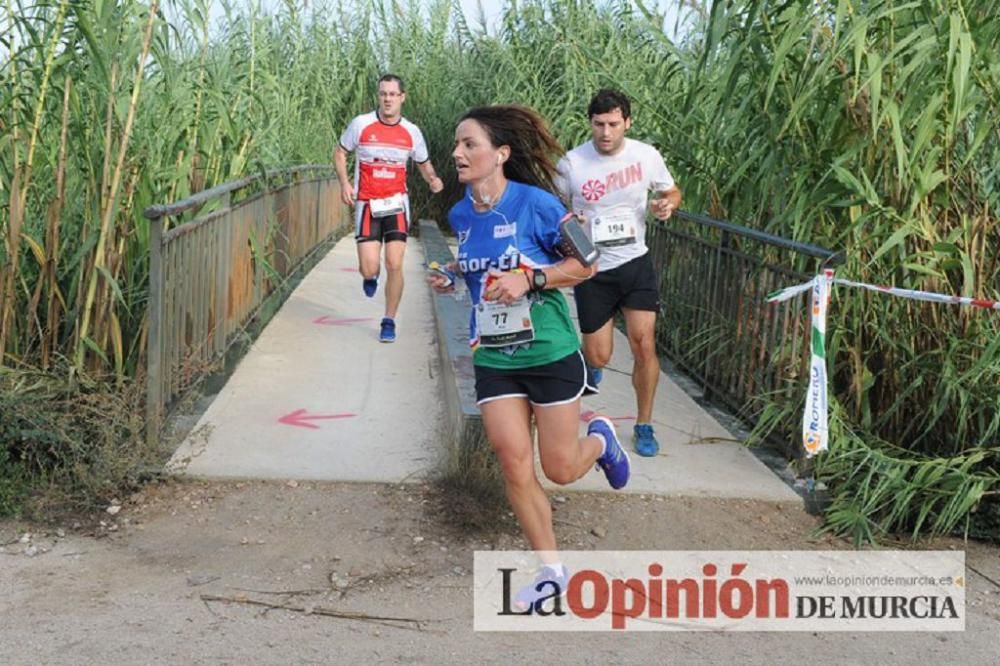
815, 430
722, 591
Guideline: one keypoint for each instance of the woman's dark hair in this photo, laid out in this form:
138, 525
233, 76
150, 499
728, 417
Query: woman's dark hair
606, 100
523, 130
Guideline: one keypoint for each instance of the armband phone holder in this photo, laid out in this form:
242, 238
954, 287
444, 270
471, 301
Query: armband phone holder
575, 243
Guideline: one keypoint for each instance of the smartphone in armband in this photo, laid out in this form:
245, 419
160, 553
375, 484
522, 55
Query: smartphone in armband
575, 243
438, 269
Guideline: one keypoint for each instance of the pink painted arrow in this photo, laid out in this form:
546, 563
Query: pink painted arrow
587, 415
301, 419
349, 270
326, 321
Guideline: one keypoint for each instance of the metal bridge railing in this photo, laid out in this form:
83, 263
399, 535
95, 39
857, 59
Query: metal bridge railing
716, 323
209, 276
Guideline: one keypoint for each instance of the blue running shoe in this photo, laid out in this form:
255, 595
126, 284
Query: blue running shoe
370, 287
644, 440
614, 462
595, 375
546, 584
388, 332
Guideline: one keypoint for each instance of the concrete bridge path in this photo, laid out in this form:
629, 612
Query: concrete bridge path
319, 398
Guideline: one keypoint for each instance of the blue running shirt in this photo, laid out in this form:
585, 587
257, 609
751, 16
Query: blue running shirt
521, 230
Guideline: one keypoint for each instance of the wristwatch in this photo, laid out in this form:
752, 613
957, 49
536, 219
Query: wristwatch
538, 279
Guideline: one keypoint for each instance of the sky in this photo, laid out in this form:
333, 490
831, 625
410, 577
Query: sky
493, 8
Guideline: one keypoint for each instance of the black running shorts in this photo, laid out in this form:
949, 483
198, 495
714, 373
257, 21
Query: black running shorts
384, 229
632, 285
554, 383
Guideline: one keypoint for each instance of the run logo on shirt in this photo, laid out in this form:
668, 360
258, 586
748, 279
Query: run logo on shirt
594, 189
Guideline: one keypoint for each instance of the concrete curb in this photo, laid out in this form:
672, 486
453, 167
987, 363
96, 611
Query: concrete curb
451, 314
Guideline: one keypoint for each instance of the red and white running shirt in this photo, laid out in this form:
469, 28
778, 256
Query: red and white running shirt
382, 151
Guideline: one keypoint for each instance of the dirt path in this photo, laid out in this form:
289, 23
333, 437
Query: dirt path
132, 591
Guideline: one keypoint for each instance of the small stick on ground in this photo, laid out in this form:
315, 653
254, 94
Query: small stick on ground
560, 521
389, 621
288, 593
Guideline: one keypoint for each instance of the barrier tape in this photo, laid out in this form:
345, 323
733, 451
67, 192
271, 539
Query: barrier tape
913, 294
928, 296
815, 432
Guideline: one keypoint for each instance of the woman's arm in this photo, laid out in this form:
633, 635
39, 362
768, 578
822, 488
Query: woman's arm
507, 287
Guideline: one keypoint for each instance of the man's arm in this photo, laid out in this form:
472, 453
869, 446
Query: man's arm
561, 183
346, 186
430, 176
664, 205
663, 208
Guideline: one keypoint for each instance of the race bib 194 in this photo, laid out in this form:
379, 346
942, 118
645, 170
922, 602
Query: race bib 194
614, 228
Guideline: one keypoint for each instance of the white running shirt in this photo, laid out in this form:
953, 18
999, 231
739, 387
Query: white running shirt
593, 185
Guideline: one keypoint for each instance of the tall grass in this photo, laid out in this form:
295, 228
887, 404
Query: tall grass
873, 127
869, 127
107, 108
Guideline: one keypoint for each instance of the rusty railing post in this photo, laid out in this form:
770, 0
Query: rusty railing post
154, 344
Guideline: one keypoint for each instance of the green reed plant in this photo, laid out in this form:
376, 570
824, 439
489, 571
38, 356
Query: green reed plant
871, 127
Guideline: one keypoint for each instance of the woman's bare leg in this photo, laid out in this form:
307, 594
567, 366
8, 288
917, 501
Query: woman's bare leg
507, 423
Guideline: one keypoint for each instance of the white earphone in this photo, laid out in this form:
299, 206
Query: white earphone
485, 199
